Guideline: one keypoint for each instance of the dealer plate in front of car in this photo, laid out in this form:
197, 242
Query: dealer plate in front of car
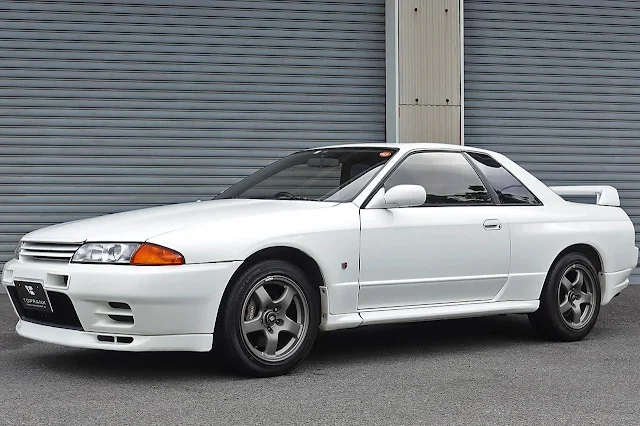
33, 296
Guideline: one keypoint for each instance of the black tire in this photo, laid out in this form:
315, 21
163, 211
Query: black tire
548, 320
232, 341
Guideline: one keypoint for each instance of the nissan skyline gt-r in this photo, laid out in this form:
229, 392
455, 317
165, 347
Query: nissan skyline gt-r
325, 239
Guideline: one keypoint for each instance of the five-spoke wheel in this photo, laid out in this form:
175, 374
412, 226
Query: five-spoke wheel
575, 296
269, 319
275, 318
570, 299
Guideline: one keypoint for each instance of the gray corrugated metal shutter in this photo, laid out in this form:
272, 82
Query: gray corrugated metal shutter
554, 86
109, 106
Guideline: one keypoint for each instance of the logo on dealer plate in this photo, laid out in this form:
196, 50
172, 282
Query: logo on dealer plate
30, 290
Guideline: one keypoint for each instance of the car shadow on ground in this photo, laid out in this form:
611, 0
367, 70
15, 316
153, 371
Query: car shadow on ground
433, 336
361, 345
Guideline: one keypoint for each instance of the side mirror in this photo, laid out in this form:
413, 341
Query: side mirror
399, 196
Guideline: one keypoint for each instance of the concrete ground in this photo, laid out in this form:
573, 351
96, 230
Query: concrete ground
478, 371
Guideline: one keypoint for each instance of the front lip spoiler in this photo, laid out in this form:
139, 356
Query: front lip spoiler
139, 343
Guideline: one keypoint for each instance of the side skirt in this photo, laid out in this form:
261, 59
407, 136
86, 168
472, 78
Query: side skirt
448, 311
420, 313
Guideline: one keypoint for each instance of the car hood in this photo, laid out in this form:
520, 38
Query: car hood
141, 225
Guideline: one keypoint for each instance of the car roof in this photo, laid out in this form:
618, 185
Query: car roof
406, 147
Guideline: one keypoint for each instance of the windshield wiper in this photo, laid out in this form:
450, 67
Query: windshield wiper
298, 199
294, 197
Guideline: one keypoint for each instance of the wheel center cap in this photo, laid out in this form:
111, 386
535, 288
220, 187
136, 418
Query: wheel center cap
270, 318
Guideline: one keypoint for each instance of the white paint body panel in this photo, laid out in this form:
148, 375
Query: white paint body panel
427, 255
89, 340
180, 300
404, 264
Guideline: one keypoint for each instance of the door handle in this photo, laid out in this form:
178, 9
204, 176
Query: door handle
492, 225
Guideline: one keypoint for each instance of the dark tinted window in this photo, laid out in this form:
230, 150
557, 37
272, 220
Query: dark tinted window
447, 177
509, 189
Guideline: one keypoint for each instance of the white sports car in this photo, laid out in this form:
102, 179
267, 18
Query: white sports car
324, 239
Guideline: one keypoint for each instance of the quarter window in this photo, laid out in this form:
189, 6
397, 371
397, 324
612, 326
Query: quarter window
508, 188
447, 177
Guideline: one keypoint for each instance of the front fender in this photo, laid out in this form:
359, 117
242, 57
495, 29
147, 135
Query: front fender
331, 236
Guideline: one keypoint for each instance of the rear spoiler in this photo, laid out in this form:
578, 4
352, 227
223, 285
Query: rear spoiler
605, 195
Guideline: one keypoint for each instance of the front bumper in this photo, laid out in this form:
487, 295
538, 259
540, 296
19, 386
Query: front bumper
158, 308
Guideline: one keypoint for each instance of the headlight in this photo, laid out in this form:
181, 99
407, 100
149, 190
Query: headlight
16, 252
105, 253
128, 254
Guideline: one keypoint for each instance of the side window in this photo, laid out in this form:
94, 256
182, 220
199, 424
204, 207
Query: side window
447, 177
508, 188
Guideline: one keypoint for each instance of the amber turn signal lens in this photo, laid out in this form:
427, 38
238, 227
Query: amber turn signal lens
151, 254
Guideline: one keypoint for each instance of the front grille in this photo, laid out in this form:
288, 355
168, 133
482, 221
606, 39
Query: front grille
53, 252
63, 315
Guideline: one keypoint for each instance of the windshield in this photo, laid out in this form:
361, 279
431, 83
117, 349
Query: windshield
331, 174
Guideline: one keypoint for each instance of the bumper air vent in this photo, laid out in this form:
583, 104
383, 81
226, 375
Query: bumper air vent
120, 312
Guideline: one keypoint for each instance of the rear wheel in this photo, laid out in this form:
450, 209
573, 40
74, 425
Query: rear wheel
570, 300
269, 320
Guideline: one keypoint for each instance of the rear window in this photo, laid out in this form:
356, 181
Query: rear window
509, 189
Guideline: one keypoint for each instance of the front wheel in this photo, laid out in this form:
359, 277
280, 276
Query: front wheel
570, 300
269, 320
